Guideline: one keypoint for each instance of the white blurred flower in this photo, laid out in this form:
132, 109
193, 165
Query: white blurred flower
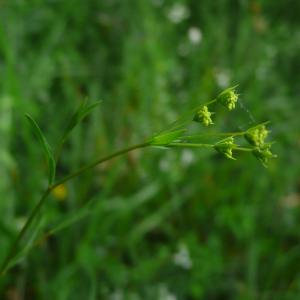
165, 294
291, 201
182, 257
178, 12
164, 165
195, 35
187, 157
117, 295
222, 78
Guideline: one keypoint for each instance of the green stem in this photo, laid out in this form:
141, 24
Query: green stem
14, 246
190, 145
243, 149
196, 136
239, 133
210, 102
97, 162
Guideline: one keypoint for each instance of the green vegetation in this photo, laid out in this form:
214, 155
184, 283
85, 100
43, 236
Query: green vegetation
183, 223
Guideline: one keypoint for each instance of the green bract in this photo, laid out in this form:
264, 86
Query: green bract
166, 138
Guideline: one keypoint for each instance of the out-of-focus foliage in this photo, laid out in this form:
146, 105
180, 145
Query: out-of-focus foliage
175, 224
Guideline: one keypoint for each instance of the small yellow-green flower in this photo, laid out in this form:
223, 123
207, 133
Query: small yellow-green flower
225, 147
228, 98
263, 154
203, 116
257, 136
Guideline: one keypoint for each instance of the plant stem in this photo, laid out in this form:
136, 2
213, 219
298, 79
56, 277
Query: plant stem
243, 149
14, 246
191, 145
196, 136
210, 102
97, 162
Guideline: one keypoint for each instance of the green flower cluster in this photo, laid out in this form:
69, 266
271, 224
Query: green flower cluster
263, 154
225, 147
257, 137
203, 116
227, 98
175, 135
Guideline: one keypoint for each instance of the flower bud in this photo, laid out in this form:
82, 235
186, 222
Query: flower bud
263, 154
203, 116
225, 147
228, 98
256, 136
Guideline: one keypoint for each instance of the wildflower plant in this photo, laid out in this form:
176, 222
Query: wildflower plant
174, 136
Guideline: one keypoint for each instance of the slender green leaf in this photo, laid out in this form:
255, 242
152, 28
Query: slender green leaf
82, 111
29, 242
166, 138
71, 219
46, 147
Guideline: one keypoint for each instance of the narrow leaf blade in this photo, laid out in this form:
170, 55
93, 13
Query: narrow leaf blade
47, 150
81, 112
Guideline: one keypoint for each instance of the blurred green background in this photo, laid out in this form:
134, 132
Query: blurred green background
154, 224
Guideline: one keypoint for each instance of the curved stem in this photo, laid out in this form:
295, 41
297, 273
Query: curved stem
97, 162
14, 246
191, 145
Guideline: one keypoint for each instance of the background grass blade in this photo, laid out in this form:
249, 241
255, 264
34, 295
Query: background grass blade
46, 147
82, 111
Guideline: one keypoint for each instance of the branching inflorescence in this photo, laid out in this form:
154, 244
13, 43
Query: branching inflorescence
255, 136
175, 136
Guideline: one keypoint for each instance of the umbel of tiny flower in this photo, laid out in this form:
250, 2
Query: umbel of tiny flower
225, 147
203, 116
263, 154
228, 98
257, 136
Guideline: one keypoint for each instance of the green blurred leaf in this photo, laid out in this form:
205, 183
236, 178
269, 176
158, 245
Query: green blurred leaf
46, 147
167, 138
82, 111
29, 241
71, 218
